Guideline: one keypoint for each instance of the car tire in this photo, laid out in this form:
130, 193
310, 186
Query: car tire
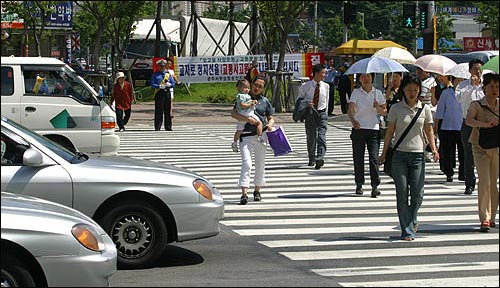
15, 273
139, 233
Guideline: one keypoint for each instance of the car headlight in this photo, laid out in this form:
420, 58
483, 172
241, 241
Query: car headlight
203, 188
88, 237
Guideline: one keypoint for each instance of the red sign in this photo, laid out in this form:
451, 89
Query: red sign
312, 59
479, 44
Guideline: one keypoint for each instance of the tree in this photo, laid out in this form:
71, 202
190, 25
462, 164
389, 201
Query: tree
102, 12
489, 16
278, 18
35, 15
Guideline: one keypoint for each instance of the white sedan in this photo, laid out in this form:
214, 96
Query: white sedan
142, 205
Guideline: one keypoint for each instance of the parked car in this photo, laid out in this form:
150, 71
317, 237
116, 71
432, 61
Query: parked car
49, 97
459, 57
484, 56
45, 244
142, 205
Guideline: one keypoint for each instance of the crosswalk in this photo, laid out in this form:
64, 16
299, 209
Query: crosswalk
314, 218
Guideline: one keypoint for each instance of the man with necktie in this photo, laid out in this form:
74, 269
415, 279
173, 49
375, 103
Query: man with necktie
317, 93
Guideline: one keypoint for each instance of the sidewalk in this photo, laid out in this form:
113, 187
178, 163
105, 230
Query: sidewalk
187, 112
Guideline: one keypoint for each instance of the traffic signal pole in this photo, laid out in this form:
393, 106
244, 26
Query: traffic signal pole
428, 34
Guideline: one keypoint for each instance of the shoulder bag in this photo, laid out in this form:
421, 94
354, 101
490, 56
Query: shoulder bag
488, 137
390, 151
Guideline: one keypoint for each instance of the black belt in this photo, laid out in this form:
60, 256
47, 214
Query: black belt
321, 111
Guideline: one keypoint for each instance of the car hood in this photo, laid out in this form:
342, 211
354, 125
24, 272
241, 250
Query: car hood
126, 163
36, 207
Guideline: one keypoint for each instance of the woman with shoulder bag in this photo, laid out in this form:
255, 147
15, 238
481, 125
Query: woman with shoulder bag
484, 114
408, 158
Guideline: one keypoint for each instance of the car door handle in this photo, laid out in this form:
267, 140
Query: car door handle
30, 109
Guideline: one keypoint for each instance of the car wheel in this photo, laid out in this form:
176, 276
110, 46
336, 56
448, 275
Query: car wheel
15, 273
139, 233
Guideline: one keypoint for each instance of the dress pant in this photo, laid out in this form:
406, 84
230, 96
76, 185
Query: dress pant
163, 101
331, 99
344, 100
362, 139
470, 176
122, 117
316, 135
450, 142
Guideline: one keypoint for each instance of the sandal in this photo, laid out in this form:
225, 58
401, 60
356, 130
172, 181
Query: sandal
408, 238
485, 226
256, 196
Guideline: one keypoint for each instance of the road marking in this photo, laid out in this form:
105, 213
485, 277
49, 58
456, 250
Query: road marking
389, 252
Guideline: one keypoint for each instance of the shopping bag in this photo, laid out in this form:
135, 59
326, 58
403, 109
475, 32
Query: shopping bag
278, 141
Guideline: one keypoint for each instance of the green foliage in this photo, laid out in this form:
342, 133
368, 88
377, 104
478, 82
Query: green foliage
221, 12
200, 93
489, 16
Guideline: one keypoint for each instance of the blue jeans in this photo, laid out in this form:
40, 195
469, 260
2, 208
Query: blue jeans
408, 170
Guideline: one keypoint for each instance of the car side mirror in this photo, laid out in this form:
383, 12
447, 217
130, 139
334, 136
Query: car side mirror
32, 157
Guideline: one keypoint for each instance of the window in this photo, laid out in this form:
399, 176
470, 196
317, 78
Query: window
7, 81
12, 151
55, 81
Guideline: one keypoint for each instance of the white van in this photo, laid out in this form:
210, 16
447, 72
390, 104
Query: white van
46, 95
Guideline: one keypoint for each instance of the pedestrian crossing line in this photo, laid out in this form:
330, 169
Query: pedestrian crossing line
304, 213
320, 194
389, 252
406, 269
351, 230
335, 205
343, 242
475, 281
343, 220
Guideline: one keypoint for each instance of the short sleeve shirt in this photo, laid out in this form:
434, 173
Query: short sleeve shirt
263, 109
450, 110
244, 98
365, 113
402, 114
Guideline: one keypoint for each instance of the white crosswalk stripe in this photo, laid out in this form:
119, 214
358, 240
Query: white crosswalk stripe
313, 216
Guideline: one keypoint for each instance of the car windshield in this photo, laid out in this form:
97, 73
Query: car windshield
49, 144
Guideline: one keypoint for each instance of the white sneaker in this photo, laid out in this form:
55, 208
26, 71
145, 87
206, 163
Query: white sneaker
234, 146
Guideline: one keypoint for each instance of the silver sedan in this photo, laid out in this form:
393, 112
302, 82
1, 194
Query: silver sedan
48, 244
142, 205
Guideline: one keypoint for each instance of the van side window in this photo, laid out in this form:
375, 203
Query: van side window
7, 81
53, 82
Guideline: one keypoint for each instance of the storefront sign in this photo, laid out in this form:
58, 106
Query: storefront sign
479, 44
232, 68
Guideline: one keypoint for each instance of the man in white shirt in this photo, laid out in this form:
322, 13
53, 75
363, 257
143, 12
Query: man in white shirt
366, 105
317, 93
467, 91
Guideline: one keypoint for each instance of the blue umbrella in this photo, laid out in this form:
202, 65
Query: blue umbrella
375, 64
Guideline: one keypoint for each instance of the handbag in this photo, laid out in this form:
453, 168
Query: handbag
488, 137
278, 141
390, 150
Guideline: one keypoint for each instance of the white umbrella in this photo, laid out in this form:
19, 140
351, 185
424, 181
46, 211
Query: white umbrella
435, 63
397, 54
375, 64
459, 71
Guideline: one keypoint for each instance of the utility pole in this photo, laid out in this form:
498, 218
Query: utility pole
231, 28
315, 24
344, 36
158, 29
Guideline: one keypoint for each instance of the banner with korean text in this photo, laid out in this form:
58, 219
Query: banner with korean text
211, 69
